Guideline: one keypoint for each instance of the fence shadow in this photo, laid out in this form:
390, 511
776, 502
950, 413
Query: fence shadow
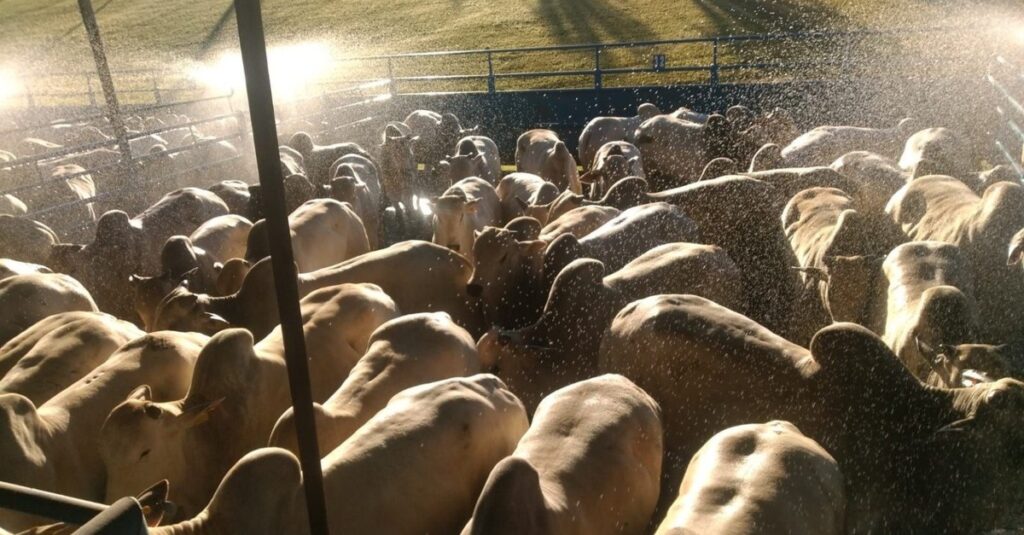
589, 21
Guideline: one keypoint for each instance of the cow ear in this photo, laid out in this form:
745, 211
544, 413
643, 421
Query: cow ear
198, 414
471, 206
142, 393
477, 234
523, 205
479, 157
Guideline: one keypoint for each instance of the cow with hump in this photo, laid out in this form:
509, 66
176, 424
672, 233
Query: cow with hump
449, 433
590, 463
241, 388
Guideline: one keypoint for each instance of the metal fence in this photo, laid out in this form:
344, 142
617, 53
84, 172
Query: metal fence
764, 56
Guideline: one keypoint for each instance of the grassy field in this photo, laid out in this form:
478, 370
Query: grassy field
47, 35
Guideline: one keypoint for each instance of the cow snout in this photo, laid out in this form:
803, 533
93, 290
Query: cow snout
474, 290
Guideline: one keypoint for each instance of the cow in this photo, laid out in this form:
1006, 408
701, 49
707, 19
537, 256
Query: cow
407, 351
524, 194
944, 151
182, 264
941, 208
399, 176
223, 237
578, 222
317, 159
562, 345
10, 268
601, 130
888, 431
66, 184
58, 350
824, 144
930, 303
122, 246
435, 134
594, 446
39, 445
614, 161
26, 240
759, 478
422, 277
324, 232
821, 223
676, 150
11, 205
511, 276
450, 432
29, 298
474, 156
540, 152
877, 176
356, 181
690, 343
463, 210
241, 387
235, 195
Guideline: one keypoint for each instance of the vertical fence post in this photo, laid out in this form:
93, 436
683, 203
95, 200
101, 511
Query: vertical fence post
264, 133
714, 62
490, 72
156, 90
597, 67
392, 86
99, 55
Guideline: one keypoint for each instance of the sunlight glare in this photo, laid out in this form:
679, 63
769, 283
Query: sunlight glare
293, 68
9, 85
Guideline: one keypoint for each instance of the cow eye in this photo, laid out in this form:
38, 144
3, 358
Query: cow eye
144, 454
503, 258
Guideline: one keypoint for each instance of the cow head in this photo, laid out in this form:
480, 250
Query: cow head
302, 143
560, 348
965, 365
673, 150
559, 168
230, 275
503, 267
141, 441
182, 310
452, 227
852, 289
150, 291
397, 161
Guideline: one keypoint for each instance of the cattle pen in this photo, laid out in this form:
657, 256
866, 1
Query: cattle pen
236, 132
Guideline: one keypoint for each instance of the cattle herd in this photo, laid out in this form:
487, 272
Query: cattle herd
700, 323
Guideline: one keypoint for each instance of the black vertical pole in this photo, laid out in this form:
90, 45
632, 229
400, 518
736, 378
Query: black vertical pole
99, 55
264, 136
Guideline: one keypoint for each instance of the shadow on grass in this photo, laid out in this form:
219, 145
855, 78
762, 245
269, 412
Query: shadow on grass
590, 21
757, 16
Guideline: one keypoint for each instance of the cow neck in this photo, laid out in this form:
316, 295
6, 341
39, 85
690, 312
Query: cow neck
864, 315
